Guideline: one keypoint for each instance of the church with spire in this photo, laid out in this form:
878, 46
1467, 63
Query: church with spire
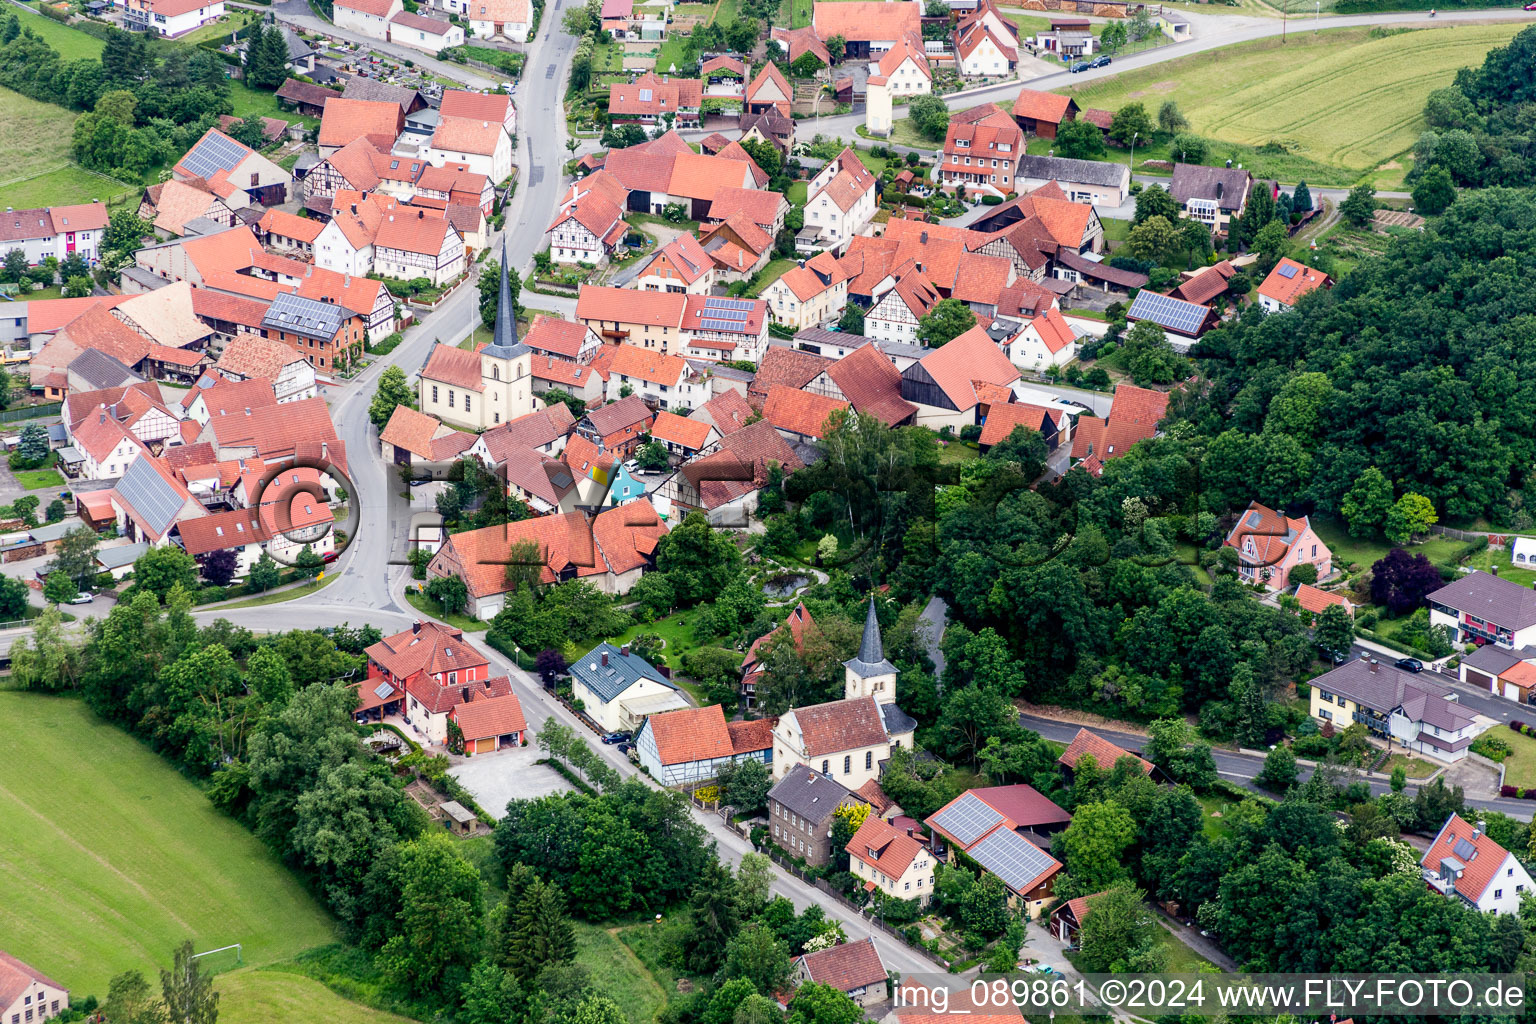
850, 739
478, 390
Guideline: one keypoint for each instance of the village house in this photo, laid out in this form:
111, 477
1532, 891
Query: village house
618, 426
650, 320
1083, 181
657, 379
868, 27
368, 17
725, 484
1105, 754
799, 416
618, 688
168, 18
1211, 195
981, 50
1395, 706
1067, 38
230, 167
435, 669
853, 968
801, 806
490, 720
55, 231
345, 120
1479, 608
1053, 426
842, 199
171, 205
657, 99
810, 294
483, 146
562, 339
1270, 545
409, 246
954, 385
27, 994
509, 19
891, 862
1133, 416
412, 437
1465, 862
768, 91
586, 229
688, 746
422, 33
329, 337
982, 153
1287, 282
682, 436
680, 266
1186, 321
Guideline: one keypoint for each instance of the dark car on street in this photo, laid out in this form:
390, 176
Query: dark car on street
1099, 62
1409, 664
615, 737
1081, 65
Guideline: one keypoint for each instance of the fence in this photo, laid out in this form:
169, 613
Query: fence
1494, 539
28, 412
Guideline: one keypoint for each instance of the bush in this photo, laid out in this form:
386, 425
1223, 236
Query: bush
1311, 746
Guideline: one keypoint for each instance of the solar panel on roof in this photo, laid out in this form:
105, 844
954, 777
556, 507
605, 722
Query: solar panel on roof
967, 819
212, 154
383, 690
1166, 311
718, 303
1287, 271
721, 325
1465, 850
1012, 858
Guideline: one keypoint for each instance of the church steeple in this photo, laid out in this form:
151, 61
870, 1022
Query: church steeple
504, 342
867, 673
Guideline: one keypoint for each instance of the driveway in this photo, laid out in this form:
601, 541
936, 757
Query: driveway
494, 779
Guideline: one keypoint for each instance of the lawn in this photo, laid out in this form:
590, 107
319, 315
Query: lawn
771, 272
1366, 553
1499, 556
1115, 230
797, 192
112, 858
677, 630
1214, 810
905, 133
1415, 767
64, 185
217, 29
1340, 98
71, 43
427, 606
35, 479
245, 101
800, 16
279, 596
1520, 765
1180, 959
621, 975
959, 451
259, 997
1187, 554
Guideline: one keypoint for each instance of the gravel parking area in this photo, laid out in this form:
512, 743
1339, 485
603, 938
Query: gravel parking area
494, 779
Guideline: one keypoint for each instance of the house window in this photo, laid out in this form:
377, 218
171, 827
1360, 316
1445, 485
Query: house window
869, 759
450, 398
434, 392
1327, 716
847, 763
466, 403
1498, 894
826, 767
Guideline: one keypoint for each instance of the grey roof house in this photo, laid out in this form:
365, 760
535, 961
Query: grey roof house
800, 809
1210, 194
1480, 608
1421, 715
1095, 181
618, 688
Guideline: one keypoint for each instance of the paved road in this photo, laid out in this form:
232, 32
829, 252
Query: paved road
1239, 767
299, 14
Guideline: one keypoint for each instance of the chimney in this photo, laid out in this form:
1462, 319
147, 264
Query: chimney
1374, 666
354, 209
464, 693
1493, 569
624, 650
605, 657
923, 238
1482, 826
416, 626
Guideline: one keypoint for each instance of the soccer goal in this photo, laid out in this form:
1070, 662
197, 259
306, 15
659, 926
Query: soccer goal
217, 961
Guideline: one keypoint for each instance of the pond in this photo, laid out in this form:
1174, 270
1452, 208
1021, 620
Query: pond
785, 585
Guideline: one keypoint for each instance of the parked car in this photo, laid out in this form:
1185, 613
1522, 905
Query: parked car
1081, 65
330, 556
633, 465
615, 737
1530, 7
81, 599
1409, 664
1099, 62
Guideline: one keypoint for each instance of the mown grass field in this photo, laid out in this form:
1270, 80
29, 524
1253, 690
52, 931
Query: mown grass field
35, 139
261, 997
111, 858
622, 976
70, 42
1338, 97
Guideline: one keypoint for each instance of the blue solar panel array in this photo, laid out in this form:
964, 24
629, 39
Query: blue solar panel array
1012, 858
1168, 312
213, 154
1287, 271
726, 314
967, 819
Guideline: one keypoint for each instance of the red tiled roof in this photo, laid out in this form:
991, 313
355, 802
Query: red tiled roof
483, 717
893, 851
967, 360
1053, 330
1002, 419
728, 411
1480, 869
840, 725
16, 977
866, 20
453, 365
235, 309
1286, 290
799, 412
751, 737
787, 366
627, 306
745, 454
758, 205
556, 335
627, 536
690, 734
441, 699
1023, 805
424, 435
425, 234
1103, 751
688, 433
479, 557
1133, 416
345, 120
846, 966
1315, 600
698, 176
650, 96
648, 364
1042, 106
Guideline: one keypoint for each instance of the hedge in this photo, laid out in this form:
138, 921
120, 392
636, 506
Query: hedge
1402, 648
1518, 792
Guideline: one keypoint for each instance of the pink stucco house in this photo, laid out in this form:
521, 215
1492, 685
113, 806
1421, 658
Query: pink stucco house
1270, 545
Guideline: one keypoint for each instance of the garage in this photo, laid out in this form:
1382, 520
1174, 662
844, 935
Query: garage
490, 723
1481, 680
